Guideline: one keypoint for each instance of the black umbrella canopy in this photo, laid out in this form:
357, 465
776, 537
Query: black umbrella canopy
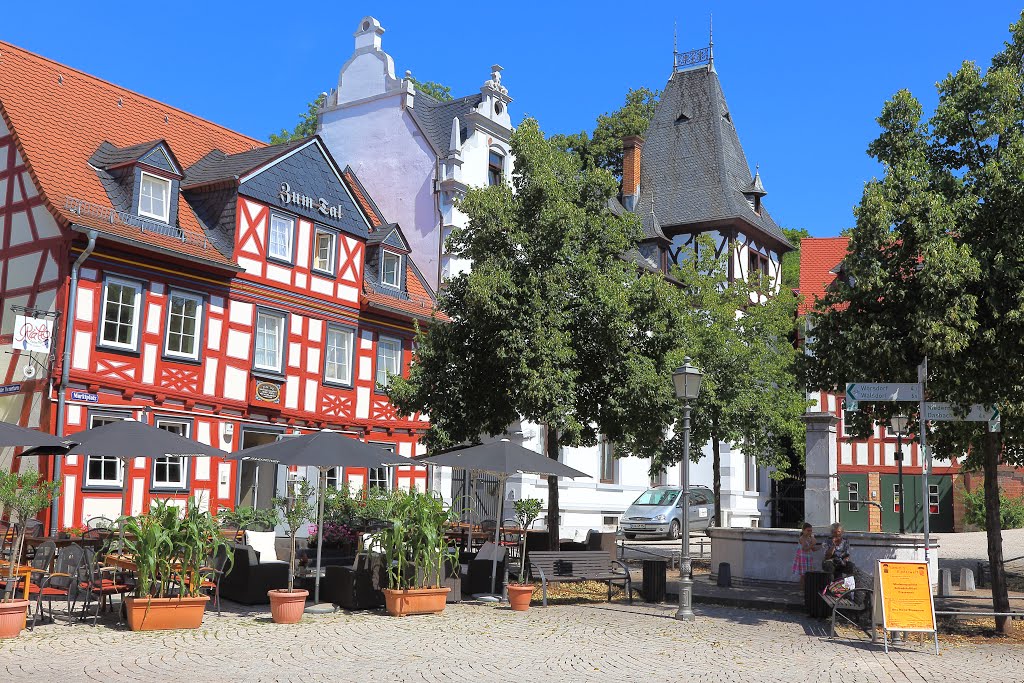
131, 439
322, 449
501, 458
15, 435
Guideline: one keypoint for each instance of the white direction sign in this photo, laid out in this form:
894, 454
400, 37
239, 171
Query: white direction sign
883, 391
949, 412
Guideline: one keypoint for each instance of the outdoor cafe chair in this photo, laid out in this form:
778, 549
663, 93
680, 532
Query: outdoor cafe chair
33, 527
99, 583
99, 523
214, 573
7, 536
40, 562
62, 584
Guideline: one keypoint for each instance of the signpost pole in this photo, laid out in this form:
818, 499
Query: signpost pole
922, 378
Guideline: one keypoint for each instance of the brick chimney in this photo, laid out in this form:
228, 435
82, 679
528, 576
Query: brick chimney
632, 146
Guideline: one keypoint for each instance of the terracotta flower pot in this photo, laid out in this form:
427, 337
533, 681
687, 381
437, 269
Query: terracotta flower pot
519, 596
402, 603
161, 614
286, 606
12, 617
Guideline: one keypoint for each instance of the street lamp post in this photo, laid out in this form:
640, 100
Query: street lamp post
686, 381
899, 425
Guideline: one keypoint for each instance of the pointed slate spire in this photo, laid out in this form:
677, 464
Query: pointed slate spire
756, 188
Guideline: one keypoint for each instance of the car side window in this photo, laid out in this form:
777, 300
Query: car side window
698, 499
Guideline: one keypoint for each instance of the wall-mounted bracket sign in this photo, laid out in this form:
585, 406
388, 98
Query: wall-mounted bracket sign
881, 391
289, 196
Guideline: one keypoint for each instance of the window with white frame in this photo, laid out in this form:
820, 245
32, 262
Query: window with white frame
853, 494
389, 359
333, 478
608, 468
933, 499
169, 472
184, 318
122, 308
269, 353
378, 476
338, 355
155, 197
390, 268
103, 470
282, 235
495, 168
323, 250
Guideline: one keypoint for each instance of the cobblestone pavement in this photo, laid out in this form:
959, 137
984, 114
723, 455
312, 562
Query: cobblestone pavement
484, 643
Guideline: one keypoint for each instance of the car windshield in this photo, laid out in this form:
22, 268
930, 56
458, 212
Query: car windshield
657, 497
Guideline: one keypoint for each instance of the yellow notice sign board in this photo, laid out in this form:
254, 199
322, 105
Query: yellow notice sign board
906, 596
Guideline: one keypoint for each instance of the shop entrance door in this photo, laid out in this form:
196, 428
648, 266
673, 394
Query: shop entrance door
257, 481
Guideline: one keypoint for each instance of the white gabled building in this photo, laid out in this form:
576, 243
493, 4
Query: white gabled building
417, 155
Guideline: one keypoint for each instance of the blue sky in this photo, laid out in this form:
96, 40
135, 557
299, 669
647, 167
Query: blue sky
804, 80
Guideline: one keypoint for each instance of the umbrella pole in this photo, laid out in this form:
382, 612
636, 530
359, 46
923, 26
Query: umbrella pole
471, 489
125, 510
316, 607
497, 533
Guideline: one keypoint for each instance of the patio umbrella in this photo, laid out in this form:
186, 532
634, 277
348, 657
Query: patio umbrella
502, 459
15, 435
127, 439
323, 450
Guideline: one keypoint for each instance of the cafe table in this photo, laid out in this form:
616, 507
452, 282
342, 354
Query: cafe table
22, 571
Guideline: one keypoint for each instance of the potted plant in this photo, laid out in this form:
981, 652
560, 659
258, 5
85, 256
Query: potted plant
519, 594
171, 547
415, 553
24, 495
287, 604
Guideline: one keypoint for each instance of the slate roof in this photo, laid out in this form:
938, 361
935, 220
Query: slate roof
60, 116
819, 257
111, 156
435, 118
693, 169
218, 167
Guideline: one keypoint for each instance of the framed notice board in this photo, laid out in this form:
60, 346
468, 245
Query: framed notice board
903, 598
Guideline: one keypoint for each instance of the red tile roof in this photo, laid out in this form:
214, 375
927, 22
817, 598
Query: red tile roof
818, 256
59, 117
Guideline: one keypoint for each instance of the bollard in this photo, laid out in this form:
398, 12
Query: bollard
945, 582
966, 579
724, 575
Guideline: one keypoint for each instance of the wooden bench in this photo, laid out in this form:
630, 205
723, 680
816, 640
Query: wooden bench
579, 565
847, 602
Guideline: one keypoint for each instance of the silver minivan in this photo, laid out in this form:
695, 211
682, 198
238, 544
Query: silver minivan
658, 512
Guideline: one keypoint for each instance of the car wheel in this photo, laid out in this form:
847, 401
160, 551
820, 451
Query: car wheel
630, 537
673, 530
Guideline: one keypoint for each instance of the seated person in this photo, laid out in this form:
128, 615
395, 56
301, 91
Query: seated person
837, 554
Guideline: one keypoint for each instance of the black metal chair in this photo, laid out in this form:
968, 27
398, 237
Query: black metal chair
40, 564
33, 528
7, 536
212, 574
99, 583
61, 584
99, 523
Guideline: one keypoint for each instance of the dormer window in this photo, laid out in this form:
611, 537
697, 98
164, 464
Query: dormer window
495, 168
391, 269
154, 198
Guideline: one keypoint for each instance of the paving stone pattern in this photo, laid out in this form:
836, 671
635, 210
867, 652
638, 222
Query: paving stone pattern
484, 643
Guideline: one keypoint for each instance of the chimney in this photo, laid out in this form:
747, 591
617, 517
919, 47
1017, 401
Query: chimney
632, 146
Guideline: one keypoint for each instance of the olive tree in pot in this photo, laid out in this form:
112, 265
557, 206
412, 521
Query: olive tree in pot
519, 594
287, 604
415, 552
24, 495
171, 548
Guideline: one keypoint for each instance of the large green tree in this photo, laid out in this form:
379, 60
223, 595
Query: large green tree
604, 148
439, 92
791, 259
551, 324
306, 125
741, 340
935, 268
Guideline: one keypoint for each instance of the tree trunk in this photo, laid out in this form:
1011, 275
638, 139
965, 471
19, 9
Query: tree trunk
716, 471
553, 509
1000, 598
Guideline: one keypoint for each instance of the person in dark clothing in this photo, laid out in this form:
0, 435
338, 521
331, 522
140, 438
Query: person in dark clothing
837, 554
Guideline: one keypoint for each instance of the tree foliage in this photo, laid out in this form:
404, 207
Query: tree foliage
441, 93
934, 270
306, 126
552, 324
791, 260
604, 148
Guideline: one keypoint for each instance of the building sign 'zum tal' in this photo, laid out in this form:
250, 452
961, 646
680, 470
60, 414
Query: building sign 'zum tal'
289, 196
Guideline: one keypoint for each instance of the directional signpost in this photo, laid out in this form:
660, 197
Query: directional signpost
881, 391
950, 412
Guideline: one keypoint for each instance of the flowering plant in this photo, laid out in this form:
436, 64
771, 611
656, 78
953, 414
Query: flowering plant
335, 534
76, 531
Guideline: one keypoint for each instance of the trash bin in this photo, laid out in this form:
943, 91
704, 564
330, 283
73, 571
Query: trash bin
814, 584
654, 580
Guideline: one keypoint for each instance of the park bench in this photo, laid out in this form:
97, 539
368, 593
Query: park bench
848, 602
579, 565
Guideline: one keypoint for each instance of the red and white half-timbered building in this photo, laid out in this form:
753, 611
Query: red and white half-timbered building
200, 281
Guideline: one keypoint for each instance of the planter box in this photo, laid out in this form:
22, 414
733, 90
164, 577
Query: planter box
402, 603
161, 614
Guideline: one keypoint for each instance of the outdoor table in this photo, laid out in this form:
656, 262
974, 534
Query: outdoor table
35, 541
22, 571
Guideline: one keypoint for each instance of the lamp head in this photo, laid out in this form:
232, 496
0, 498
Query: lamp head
686, 380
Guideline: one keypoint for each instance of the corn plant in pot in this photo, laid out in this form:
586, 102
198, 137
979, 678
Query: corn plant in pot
296, 509
24, 495
415, 552
519, 594
172, 549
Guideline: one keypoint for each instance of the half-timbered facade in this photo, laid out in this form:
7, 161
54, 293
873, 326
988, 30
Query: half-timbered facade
202, 281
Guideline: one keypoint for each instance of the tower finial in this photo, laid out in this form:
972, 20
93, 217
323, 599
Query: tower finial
711, 42
675, 38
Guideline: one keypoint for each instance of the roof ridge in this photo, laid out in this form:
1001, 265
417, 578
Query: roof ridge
110, 84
